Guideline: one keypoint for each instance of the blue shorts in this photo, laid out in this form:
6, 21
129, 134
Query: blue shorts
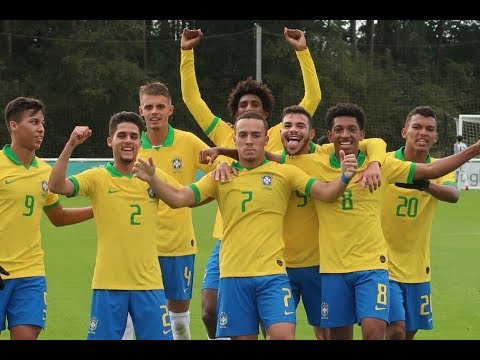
148, 309
244, 302
212, 269
306, 284
411, 303
23, 301
177, 274
348, 298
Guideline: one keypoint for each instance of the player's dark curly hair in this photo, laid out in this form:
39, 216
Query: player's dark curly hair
346, 109
250, 86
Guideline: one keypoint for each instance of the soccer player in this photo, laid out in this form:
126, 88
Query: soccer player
354, 262
300, 224
23, 196
407, 216
253, 95
175, 152
461, 174
248, 95
127, 276
253, 284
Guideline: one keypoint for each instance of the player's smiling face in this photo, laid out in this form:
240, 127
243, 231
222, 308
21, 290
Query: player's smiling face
125, 142
250, 139
420, 133
155, 109
296, 133
345, 134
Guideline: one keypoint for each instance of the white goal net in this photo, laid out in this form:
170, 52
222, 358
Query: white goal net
469, 127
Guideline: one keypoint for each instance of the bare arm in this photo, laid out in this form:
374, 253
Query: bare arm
58, 182
208, 156
173, 197
375, 148
273, 156
448, 164
447, 193
331, 191
60, 216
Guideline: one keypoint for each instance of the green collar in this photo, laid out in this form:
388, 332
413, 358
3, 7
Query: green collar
334, 163
399, 155
11, 155
114, 172
239, 167
167, 142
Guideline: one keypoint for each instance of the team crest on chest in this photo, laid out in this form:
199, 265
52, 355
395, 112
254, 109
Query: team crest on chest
150, 192
177, 164
267, 180
44, 185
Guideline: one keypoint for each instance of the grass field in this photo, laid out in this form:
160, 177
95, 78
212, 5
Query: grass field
70, 257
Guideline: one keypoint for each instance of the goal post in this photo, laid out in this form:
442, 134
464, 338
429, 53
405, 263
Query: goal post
468, 125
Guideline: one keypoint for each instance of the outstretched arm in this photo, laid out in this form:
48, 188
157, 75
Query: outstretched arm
173, 197
448, 193
443, 166
60, 216
208, 156
58, 182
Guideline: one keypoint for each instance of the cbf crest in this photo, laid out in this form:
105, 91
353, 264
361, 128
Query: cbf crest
223, 320
150, 192
267, 180
44, 187
324, 310
92, 325
177, 164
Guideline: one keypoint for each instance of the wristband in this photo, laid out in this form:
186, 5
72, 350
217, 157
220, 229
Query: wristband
344, 179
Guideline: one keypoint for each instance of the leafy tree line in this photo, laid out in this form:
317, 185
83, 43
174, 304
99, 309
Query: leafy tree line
86, 70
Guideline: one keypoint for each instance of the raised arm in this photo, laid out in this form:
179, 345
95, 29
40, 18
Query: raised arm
312, 96
174, 197
191, 93
296, 38
58, 182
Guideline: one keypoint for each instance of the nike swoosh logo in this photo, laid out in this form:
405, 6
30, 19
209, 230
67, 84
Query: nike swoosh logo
111, 191
380, 307
430, 319
9, 181
165, 332
288, 312
185, 290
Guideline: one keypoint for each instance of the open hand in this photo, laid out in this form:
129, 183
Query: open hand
144, 169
